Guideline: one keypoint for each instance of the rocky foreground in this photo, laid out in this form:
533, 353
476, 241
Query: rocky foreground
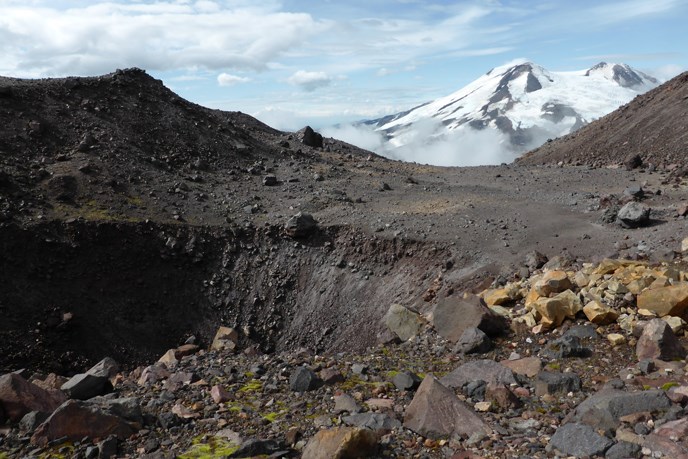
561, 360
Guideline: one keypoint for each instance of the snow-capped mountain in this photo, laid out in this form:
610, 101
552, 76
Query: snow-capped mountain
524, 104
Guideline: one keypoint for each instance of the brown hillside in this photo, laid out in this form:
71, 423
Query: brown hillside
654, 126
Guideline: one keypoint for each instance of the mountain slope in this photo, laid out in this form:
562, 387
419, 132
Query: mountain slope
654, 126
523, 104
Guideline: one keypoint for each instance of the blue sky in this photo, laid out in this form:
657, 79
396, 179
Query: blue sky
295, 62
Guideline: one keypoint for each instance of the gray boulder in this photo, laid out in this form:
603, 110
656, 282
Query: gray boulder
603, 409
579, 440
302, 380
311, 138
633, 215
84, 386
473, 341
453, 315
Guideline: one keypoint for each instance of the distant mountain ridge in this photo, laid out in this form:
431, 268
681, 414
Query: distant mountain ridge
524, 102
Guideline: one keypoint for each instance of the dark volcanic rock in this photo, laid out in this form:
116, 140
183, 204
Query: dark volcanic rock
406, 381
311, 138
300, 225
473, 341
579, 440
302, 379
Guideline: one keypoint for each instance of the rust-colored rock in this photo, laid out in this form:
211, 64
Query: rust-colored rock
225, 338
76, 420
341, 443
659, 342
18, 397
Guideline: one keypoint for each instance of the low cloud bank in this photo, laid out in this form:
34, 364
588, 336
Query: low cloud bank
428, 142
460, 147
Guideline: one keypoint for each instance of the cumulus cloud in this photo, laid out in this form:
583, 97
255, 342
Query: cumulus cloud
666, 72
225, 79
310, 81
159, 36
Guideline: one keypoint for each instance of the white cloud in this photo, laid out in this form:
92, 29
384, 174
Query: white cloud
666, 72
310, 81
461, 147
159, 36
225, 79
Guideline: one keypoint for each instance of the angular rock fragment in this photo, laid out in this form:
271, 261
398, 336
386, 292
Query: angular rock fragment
75, 420
403, 322
300, 225
556, 383
436, 412
473, 341
603, 409
406, 381
599, 314
552, 282
311, 138
84, 386
579, 440
554, 310
453, 315
225, 338
302, 380
19, 397
341, 443
659, 342
527, 366
633, 215
665, 301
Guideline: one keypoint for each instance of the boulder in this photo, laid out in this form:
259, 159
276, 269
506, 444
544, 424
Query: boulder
219, 394
19, 397
554, 310
106, 368
527, 366
345, 403
478, 370
270, 180
406, 381
473, 341
452, 316
552, 282
535, 260
300, 225
225, 338
403, 322
501, 396
556, 383
599, 314
623, 450
633, 215
436, 412
665, 301
579, 440
84, 386
311, 138
604, 409
74, 420
153, 373
341, 443
659, 342
302, 380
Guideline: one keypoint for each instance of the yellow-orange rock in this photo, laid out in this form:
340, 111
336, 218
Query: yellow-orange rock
599, 314
665, 301
553, 282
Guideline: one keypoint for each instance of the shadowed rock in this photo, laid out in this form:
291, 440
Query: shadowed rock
452, 316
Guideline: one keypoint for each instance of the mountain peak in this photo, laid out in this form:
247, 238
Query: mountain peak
622, 74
